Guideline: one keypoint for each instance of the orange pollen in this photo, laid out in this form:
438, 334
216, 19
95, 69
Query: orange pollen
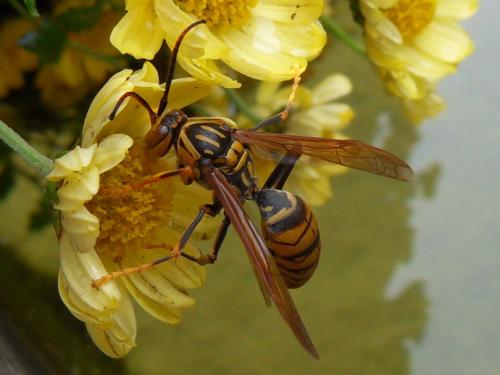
127, 220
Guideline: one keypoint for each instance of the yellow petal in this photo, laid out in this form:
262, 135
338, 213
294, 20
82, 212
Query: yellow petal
199, 42
292, 11
331, 88
155, 286
164, 312
271, 51
77, 307
445, 40
80, 270
138, 33
429, 106
321, 121
97, 118
116, 338
458, 9
207, 70
183, 273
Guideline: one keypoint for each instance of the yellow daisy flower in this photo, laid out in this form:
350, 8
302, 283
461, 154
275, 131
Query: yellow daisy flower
77, 71
414, 44
14, 60
316, 113
107, 228
260, 38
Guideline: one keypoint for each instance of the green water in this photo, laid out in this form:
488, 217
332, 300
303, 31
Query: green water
408, 283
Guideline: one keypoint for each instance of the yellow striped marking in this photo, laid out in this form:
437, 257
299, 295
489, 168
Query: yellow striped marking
204, 138
189, 147
213, 130
284, 212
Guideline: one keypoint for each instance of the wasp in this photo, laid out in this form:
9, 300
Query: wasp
213, 152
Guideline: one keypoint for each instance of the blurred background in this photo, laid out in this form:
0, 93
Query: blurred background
409, 280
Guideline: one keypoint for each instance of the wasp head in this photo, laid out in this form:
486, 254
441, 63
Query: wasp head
164, 134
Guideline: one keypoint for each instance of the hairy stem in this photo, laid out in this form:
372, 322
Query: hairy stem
34, 158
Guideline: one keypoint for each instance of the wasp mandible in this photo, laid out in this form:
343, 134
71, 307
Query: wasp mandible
213, 152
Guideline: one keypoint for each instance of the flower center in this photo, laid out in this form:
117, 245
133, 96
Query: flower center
219, 12
411, 16
127, 220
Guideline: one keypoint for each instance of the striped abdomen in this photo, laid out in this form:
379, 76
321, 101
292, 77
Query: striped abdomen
291, 233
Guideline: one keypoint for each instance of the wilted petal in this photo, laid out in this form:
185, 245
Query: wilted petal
81, 227
116, 337
80, 270
73, 161
78, 187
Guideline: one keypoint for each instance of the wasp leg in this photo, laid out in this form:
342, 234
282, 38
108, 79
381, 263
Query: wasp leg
140, 99
206, 209
283, 115
281, 172
128, 271
184, 172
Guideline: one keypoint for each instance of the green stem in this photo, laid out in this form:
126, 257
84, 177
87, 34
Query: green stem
242, 106
335, 29
34, 158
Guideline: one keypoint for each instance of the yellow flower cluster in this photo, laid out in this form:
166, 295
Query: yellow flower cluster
104, 232
259, 38
109, 227
414, 44
316, 114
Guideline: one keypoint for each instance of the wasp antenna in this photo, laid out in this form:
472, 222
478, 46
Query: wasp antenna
171, 66
291, 98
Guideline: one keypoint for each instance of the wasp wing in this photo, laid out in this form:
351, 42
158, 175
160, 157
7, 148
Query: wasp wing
263, 263
350, 153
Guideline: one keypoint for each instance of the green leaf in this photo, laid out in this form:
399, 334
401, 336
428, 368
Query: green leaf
31, 6
78, 19
47, 42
